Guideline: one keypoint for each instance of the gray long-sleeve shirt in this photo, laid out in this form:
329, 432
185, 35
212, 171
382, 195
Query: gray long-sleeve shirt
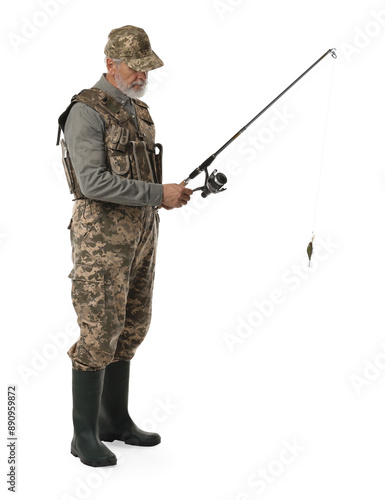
84, 134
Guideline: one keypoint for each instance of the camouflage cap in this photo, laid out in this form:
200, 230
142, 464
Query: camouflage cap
132, 45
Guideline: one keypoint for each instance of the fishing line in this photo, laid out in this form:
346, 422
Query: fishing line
323, 146
310, 245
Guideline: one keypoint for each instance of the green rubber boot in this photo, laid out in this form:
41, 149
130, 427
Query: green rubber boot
114, 419
87, 390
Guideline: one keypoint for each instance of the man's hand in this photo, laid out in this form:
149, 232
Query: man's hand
175, 196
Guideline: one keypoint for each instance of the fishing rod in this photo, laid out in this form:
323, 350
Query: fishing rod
216, 180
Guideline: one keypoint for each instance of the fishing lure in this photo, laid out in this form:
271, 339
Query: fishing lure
310, 249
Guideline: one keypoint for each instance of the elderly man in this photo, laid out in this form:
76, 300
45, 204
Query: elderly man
114, 169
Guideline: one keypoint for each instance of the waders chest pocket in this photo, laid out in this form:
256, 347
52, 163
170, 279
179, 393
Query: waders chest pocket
120, 164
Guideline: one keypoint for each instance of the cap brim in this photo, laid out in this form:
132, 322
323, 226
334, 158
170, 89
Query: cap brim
145, 63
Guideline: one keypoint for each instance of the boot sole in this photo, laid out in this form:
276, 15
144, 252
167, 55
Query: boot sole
94, 463
110, 438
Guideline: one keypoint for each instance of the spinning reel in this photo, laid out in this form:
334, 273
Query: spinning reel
214, 182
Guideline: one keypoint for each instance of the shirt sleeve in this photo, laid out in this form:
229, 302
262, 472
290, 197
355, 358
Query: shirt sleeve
84, 135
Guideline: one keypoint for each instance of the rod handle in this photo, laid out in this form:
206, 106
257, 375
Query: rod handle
183, 184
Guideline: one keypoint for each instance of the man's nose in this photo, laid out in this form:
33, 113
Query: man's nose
141, 74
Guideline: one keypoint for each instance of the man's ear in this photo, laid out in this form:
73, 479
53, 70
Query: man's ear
110, 66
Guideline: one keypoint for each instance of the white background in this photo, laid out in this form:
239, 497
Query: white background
306, 373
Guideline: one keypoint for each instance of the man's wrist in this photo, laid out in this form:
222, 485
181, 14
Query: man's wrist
156, 194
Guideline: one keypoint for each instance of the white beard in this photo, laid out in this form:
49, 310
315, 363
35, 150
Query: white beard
128, 90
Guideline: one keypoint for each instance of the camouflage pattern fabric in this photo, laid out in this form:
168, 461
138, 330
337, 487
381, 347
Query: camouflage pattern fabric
132, 45
113, 254
130, 151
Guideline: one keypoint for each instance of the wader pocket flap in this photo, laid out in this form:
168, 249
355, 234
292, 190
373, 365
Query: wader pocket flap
85, 272
117, 138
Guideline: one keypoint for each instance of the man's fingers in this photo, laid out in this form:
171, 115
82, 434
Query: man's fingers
166, 207
175, 196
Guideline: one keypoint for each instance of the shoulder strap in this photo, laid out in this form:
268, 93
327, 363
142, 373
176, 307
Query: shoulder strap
104, 103
62, 120
100, 101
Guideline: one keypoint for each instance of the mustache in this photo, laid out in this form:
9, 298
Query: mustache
138, 82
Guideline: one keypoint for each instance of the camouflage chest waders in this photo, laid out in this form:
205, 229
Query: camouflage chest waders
114, 246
